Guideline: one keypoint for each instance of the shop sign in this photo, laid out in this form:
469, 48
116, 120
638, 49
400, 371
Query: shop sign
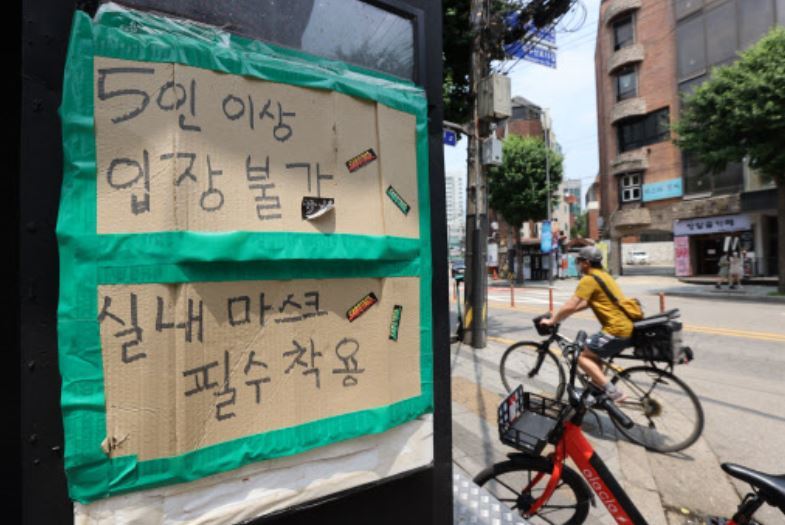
681, 245
668, 189
709, 225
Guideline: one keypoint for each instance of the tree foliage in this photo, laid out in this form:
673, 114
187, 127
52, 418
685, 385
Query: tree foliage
458, 35
581, 228
517, 189
740, 112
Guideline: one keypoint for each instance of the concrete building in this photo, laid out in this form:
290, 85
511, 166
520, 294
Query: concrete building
648, 54
455, 193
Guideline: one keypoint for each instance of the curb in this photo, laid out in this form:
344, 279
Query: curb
724, 297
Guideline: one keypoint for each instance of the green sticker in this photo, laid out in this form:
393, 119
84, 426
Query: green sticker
396, 321
398, 200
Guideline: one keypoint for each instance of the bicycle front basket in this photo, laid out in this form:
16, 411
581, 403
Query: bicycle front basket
526, 420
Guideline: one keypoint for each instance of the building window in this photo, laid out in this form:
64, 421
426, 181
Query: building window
780, 4
630, 186
525, 113
691, 44
622, 33
626, 83
698, 180
685, 7
721, 40
755, 19
642, 131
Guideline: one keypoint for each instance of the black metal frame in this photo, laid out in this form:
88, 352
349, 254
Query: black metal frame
420, 496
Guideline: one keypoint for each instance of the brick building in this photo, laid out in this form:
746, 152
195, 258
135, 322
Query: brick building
648, 54
526, 121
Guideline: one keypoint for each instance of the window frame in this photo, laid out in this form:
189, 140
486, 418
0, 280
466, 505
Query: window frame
631, 187
643, 123
630, 18
626, 70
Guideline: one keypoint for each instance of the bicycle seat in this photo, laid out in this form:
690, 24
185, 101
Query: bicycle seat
772, 488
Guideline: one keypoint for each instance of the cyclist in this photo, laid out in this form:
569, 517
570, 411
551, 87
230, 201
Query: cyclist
616, 331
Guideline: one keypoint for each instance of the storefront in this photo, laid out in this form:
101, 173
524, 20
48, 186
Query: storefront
700, 242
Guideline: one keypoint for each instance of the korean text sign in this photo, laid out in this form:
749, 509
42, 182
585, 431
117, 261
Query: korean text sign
244, 253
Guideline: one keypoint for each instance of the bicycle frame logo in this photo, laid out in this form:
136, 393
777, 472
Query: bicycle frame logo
605, 497
600, 479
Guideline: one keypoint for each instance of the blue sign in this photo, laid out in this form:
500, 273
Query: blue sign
450, 137
542, 34
546, 237
667, 189
532, 53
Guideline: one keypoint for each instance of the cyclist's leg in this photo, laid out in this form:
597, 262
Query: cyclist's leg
589, 362
602, 346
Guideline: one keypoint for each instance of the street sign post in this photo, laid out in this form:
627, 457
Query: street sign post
450, 137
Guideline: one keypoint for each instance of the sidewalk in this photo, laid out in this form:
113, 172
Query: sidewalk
754, 293
660, 485
701, 289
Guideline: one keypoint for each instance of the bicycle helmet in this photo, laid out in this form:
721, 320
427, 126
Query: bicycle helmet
590, 254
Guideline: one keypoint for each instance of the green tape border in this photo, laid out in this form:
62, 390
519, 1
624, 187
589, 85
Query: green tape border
88, 259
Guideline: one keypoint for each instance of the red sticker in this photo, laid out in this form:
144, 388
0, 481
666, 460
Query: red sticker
361, 307
363, 159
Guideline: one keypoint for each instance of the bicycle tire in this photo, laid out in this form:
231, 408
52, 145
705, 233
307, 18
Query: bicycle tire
652, 406
571, 488
517, 363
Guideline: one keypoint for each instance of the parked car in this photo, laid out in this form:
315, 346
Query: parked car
638, 258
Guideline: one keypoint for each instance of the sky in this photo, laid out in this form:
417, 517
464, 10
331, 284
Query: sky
567, 91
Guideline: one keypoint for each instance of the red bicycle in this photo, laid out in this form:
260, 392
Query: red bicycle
545, 490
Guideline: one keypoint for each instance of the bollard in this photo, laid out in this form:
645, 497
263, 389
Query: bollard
662, 302
512, 294
550, 299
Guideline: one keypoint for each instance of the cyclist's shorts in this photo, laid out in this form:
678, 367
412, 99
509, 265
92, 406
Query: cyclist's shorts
606, 346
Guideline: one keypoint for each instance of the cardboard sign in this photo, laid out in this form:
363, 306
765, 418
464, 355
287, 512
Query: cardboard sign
212, 239
196, 364
183, 148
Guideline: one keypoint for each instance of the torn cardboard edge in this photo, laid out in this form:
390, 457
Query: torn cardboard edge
315, 207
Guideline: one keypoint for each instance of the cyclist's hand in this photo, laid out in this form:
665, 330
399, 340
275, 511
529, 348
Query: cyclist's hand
547, 321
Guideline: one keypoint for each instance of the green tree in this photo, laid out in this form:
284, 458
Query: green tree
517, 188
740, 114
581, 228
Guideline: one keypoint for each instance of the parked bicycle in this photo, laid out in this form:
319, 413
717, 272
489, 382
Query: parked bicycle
667, 415
545, 490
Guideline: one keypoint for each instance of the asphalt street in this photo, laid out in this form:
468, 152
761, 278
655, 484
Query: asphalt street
738, 374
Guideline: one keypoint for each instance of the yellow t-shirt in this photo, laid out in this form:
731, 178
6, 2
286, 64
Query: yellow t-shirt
610, 316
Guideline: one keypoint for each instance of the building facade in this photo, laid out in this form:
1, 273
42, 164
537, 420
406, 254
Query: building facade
649, 54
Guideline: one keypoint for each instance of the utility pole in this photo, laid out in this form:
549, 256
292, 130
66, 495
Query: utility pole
476, 274
546, 129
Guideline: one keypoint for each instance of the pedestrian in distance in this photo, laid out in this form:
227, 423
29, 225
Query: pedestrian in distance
722, 274
736, 269
597, 290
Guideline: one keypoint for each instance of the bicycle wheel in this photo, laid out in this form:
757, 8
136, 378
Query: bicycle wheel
537, 369
667, 414
507, 481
